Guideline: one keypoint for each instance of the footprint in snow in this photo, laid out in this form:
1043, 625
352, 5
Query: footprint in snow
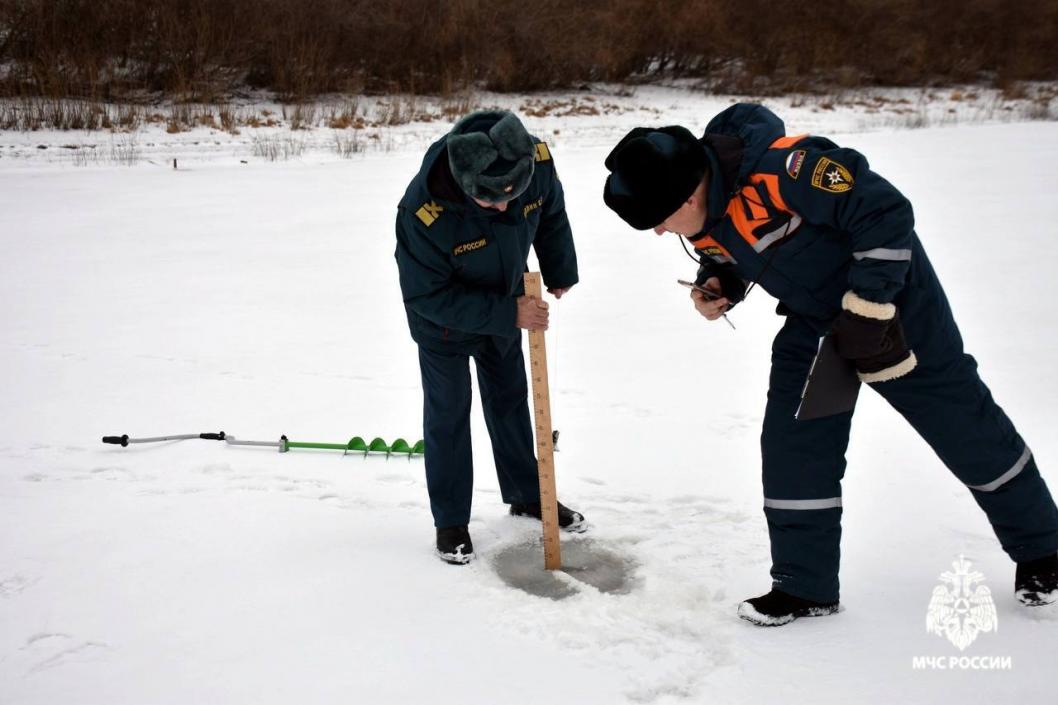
64, 650
13, 585
111, 473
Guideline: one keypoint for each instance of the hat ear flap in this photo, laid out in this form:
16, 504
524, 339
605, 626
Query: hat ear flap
471, 153
511, 140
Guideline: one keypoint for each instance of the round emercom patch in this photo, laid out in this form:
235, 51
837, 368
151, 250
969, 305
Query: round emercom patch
584, 562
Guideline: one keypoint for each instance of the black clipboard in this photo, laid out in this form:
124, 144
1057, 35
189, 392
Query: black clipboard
831, 387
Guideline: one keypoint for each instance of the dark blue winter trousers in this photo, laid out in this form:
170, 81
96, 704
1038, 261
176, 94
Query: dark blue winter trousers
945, 401
446, 426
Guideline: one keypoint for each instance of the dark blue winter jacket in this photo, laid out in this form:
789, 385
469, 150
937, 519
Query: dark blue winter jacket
461, 266
806, 219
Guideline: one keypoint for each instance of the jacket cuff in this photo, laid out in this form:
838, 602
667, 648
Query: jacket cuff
567, 283
868, 309
890, 373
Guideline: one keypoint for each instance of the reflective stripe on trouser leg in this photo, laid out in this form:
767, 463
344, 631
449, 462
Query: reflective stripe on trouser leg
945, 400
504, 399
803, 463
803, 504
1023, 461
1023, 514
446, 432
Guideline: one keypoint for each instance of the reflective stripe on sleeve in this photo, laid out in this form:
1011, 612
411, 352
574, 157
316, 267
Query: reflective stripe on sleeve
1008, 475
829, 503
884, 254
779, 233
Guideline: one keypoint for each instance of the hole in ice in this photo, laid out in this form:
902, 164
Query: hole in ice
521, 566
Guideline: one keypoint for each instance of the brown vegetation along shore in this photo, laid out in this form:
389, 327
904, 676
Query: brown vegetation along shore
206, 49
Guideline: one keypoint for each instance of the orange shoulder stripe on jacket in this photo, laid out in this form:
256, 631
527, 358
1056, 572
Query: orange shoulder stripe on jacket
771, 182
710, 246
784, 142
745, 225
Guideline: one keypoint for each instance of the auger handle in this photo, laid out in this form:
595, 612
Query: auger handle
117, 440
213, 436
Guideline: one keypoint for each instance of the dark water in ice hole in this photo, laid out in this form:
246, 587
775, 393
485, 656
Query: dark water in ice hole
521, 565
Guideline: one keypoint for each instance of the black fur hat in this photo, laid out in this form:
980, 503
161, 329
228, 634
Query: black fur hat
653, 171
491, 155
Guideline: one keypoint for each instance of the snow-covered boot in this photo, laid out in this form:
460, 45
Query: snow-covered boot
1036, 582
778, 608
567, 518
454, 546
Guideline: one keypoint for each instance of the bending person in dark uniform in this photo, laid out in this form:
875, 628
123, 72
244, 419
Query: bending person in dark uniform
485, 193
834, 242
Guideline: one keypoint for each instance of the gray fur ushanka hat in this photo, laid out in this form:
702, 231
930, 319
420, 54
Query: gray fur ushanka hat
491, 155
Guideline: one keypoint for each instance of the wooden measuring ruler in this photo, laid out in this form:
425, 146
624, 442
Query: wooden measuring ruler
545, 448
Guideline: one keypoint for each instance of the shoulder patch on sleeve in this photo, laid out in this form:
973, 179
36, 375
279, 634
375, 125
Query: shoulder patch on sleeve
794, 161
543, 154
429, 212
831, 177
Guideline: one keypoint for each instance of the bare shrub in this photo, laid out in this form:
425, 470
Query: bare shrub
276, 148
202, 50
399, 111
346, 145
86, 155
455, 107
1039, 109
345, 115
229, 119
302, 116
124, 150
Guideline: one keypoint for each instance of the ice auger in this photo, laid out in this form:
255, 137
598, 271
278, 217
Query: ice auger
355, 444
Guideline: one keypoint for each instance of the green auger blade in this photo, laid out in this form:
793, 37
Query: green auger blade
356, 443
419, 448
400, 446
378, 446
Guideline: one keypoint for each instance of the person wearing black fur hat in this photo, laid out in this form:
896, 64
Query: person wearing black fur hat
811, 223
486, 192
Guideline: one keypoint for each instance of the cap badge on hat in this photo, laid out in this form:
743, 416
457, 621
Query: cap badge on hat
508, 189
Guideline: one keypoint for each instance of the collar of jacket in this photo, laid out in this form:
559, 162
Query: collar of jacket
754, 125
725, 158
441, 185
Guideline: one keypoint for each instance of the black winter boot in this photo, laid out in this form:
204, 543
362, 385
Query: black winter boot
567, 518
1036, 582
778, 608
454, 546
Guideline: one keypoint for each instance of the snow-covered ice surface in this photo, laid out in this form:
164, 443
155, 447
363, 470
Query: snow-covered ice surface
262, 299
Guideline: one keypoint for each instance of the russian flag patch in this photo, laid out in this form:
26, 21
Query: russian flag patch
794, 162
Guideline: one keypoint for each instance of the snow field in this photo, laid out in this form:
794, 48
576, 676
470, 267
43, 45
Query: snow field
262, 299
